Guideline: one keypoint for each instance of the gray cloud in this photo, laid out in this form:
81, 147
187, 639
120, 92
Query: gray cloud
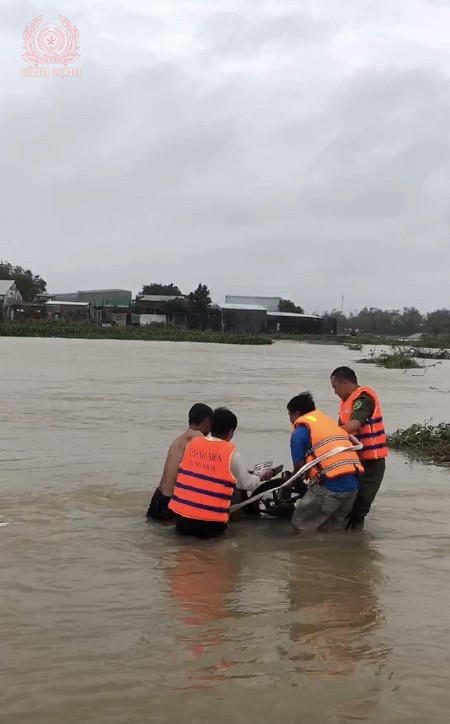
269, 152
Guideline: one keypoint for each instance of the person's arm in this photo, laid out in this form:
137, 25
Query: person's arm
300, 443
363, 409
245, 480
351, 426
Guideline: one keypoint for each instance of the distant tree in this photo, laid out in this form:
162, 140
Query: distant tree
170, 290
28, 284
200, 300
285, 305
200, 308
409, 321
373, 321
438, 322
175, 305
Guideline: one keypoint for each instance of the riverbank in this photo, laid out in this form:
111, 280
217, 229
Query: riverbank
82, 330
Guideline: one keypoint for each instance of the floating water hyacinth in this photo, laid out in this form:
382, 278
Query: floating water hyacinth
429, 442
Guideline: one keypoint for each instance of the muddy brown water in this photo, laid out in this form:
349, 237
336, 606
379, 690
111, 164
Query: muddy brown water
107, 619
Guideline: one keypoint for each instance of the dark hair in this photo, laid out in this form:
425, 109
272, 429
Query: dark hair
198, 413
302, 403
222, 422
345, 374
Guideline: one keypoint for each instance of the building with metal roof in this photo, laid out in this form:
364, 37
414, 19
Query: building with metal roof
158, 298
268, 303
64, 303
98, 297
244, 307
293, 314
244, 318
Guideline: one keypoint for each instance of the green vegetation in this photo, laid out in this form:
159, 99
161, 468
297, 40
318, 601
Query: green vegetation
286, 305
438, 354
397, 359
83, 330
404, 358
168, 290
28, 284
427, 442
394, 322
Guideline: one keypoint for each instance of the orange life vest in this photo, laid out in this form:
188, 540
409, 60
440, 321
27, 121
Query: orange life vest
372, 433
205, 483
325, 435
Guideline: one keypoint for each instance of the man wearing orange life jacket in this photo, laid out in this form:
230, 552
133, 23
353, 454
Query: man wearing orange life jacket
209, 472
334, 481
360, 414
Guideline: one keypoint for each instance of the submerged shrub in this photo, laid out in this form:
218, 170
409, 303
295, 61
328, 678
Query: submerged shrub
430, 442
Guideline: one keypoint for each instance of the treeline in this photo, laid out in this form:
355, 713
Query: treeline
395, 322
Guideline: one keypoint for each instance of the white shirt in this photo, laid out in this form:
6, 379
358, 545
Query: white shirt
244, 479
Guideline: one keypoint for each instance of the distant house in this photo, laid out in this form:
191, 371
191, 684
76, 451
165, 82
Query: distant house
9, 296
261, 314
110, 316
291, 323
24, 311
244, 318
69, 311
106, 297
153, 309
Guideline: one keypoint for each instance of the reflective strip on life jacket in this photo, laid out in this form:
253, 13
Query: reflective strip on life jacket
325, 436
205, 484
335, 438
372, 433
220, 481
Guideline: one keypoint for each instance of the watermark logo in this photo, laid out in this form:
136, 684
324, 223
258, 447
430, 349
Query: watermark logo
50, 44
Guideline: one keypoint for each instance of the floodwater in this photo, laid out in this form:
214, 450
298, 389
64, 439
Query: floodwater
110, 620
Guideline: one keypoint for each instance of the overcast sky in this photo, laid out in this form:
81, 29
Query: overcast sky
273, 147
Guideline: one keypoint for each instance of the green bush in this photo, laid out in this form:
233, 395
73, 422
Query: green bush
425, 441
83, 330
397, 361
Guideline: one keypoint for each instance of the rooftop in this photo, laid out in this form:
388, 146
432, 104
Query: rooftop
62, 303
100, 291
158, 297
269, 303
293, 314
246, 307
5, 285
